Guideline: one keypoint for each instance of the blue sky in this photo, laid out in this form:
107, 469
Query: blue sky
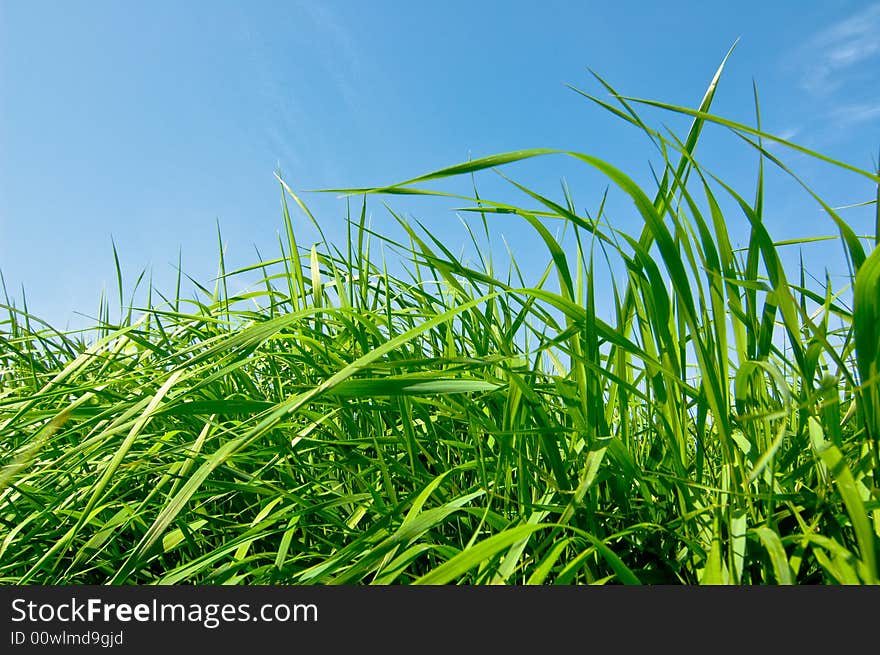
148, 122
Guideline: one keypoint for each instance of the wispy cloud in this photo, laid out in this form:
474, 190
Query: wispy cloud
789, 133
837, 69
849, 115
345, 65
832, 53
322, 46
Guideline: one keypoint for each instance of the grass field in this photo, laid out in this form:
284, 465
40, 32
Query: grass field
346, 423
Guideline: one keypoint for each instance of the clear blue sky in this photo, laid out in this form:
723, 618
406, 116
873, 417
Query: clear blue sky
149, 121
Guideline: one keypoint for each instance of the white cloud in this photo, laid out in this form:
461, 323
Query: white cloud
345, 66
834, 51
856, 113
321, 45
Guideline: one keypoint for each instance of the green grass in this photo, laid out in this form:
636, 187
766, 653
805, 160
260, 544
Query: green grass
709, 417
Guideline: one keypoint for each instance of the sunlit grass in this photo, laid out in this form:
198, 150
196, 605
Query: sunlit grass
348, 423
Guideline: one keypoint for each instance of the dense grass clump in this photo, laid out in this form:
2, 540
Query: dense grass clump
346, 423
